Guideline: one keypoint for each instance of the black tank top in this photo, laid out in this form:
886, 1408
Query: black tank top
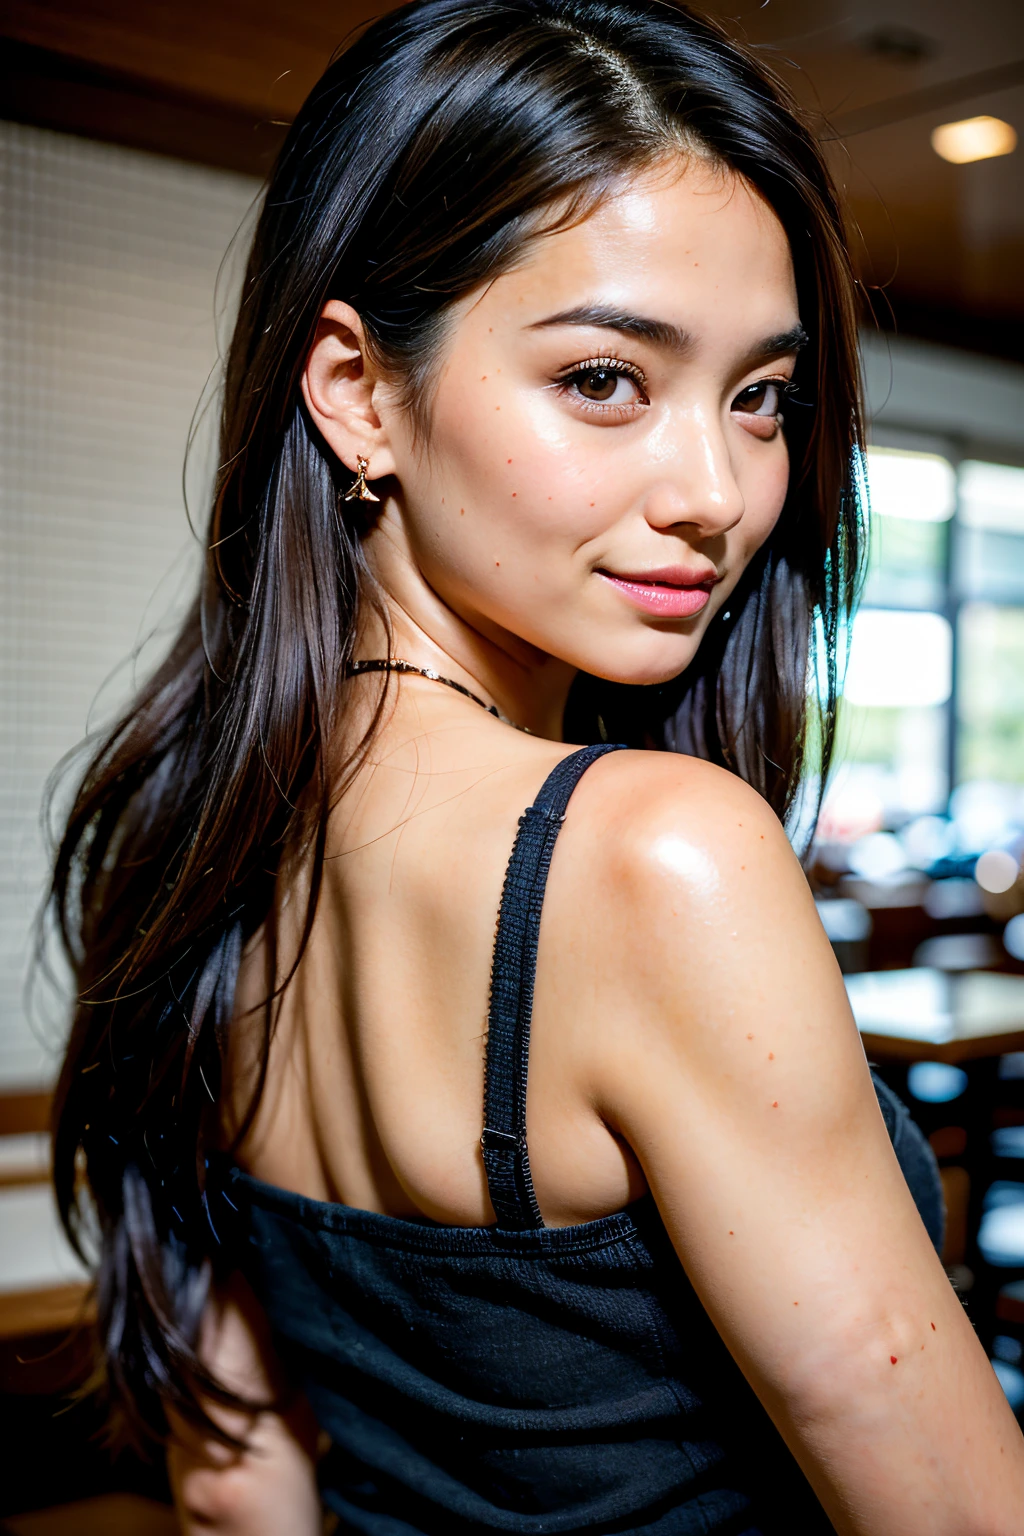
515, 1378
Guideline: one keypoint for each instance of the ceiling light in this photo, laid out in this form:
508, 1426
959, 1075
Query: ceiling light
974, 138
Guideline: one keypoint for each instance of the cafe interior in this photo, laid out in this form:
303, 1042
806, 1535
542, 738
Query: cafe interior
133, 142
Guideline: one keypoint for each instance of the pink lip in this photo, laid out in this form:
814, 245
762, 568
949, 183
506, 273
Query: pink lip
671, 592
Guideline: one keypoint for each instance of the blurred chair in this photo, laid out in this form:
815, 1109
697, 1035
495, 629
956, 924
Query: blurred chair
847, 924
959, 952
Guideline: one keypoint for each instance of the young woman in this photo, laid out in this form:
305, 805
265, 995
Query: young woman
540, 427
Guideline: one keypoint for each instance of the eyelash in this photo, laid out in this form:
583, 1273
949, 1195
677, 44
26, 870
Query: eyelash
787, 387
610, 365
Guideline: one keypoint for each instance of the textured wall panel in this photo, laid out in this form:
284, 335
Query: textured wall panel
109, 263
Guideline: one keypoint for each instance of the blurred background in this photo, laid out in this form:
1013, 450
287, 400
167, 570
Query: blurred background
132, 143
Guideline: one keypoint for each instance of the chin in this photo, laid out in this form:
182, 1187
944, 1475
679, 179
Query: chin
641, 670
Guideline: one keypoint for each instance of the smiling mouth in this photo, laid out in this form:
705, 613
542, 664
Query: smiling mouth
666, 599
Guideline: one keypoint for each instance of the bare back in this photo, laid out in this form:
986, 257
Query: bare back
375, 1089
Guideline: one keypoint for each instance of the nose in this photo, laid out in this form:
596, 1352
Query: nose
697, 484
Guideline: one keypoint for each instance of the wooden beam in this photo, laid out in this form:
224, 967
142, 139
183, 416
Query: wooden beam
24, 1114
259, 57
51, 90
60, 1307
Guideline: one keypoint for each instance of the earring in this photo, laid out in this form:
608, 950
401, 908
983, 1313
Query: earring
360, 491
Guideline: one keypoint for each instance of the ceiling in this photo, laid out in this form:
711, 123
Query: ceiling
940, 246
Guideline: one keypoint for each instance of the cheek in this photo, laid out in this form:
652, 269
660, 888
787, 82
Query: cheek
506, 460
764, 491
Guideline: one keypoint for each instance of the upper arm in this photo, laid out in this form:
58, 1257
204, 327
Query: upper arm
730, 1062
270, 1485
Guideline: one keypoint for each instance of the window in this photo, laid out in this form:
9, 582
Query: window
933, 700
990, 692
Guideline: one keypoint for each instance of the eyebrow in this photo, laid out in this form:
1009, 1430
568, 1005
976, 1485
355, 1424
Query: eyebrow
661, 333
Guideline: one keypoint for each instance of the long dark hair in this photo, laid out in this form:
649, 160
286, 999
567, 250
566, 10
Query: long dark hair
420, 164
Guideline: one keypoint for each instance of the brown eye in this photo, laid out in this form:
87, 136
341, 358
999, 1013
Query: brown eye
598, 384
606, 383
761, 399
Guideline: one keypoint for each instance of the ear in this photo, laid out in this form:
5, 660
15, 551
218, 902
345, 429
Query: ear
338, 385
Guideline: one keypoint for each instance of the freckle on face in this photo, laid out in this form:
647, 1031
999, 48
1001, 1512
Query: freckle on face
566, 446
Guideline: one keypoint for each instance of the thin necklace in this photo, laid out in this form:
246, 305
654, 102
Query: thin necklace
394, 664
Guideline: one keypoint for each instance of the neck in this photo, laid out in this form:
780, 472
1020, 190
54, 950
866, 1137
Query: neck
528, 686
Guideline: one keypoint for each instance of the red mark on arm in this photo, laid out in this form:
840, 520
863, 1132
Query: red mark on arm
750, 1037
775, 1104
771, 1055
934, 1330
893, 1359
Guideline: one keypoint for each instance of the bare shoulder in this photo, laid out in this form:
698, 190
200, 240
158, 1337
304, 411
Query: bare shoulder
665, 823
684, 894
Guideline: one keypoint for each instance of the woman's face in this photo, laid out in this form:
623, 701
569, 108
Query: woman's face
605, 450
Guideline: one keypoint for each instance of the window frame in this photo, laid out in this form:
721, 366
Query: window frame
956, 449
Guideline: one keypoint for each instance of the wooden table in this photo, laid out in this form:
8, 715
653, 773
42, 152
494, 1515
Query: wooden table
926, 1015
968, 1019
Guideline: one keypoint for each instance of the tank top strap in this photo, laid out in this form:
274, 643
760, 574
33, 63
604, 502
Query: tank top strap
506, 1160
